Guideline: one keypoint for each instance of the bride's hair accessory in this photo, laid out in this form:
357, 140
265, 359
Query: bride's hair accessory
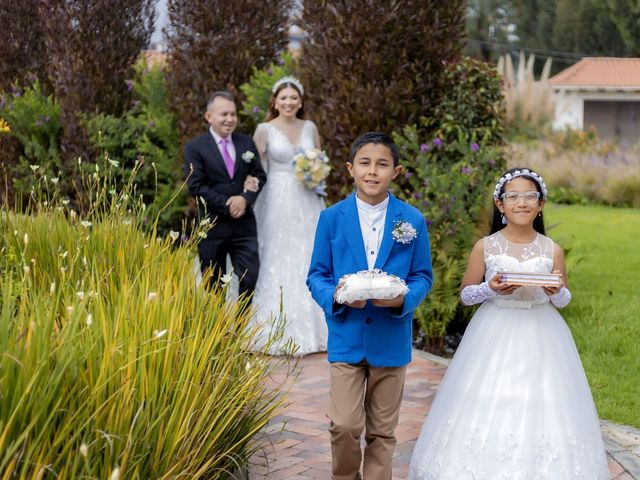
525, 172
288, 79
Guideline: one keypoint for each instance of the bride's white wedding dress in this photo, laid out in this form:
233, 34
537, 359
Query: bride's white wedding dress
514, 403
287, 213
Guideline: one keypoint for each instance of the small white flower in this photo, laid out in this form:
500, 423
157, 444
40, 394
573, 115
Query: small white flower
226, 278
15, 232
52, 288
26, 269
115, 475
65, 201
70, 309
89, 320
114, 163
79, 161
205, 221
248, 156
126, 221
160, 333
73, 214
247, 367
151, 296
202, 234
26, 239
80, 295
55, 180
174, 235
312, 154
84, 450
85, 223
34, 168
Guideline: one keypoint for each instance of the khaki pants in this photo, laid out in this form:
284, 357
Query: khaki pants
364, 398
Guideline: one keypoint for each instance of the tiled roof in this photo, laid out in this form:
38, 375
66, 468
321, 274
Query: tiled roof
600, 73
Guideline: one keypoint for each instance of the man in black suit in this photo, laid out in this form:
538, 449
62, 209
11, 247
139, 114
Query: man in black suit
217, 164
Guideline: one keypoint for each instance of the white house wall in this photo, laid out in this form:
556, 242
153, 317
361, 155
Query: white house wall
570, 105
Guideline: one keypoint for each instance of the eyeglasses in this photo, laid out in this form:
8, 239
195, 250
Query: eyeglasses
532, 196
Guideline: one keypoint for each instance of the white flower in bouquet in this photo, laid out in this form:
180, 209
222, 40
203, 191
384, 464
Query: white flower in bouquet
311, 167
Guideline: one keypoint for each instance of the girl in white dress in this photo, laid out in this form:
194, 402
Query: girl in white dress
287, 213
514, 403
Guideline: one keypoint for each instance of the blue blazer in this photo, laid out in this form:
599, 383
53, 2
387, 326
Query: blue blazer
382, 336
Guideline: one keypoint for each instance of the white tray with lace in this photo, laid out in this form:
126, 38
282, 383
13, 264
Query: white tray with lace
370, 285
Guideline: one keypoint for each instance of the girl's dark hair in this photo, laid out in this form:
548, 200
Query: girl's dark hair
273, 113
376, 138
496, 221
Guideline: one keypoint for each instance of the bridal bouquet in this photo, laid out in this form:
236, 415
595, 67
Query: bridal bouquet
312, 167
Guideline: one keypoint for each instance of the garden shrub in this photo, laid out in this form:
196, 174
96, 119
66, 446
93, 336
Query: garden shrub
91, 48
214, 45
374, 66
257, 90
147, 133
115, 364
34, 120
450, 182
452, 161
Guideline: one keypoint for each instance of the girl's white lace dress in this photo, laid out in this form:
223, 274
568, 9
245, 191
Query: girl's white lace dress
514, 403
287, 213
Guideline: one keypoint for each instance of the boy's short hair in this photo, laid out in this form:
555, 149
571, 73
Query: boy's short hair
377, 138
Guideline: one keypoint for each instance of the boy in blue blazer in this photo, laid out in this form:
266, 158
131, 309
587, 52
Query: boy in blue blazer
370, 340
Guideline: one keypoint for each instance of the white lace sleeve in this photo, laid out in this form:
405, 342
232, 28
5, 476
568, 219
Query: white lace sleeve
562, 298
260, 138
473, 294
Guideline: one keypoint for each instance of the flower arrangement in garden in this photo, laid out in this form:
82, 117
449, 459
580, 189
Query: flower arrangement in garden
312, 168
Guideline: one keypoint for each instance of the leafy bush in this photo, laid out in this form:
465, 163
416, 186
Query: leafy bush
214, 45
147, 133
34, 120
450, 182
257, 90
375, 66
22, 54
115, 365
452, 160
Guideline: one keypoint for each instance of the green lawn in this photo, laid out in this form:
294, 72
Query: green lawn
603, 263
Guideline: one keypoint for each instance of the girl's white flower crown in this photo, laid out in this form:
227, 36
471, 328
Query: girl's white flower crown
507, 177
288, 79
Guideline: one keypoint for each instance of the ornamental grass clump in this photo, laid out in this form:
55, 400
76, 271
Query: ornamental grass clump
113, 363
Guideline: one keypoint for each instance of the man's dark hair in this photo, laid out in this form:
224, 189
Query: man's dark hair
377, 138
220, 93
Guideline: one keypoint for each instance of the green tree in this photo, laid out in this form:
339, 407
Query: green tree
625, 14
487, 22
214, 45
375, 66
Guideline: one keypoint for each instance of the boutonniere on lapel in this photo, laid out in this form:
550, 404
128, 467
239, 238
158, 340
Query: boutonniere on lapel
404, 232
248, 156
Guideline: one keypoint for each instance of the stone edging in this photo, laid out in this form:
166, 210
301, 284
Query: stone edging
621, 442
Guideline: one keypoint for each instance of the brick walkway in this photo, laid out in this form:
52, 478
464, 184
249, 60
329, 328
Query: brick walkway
299, 441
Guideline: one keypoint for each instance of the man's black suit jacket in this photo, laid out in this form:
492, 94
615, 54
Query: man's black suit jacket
209, 182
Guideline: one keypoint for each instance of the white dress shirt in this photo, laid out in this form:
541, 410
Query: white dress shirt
230, 147
372, 219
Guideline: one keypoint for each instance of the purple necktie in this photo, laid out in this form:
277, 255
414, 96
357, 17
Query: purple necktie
228, 161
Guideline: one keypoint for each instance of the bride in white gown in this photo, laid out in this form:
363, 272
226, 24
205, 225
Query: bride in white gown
514, 403
287, 213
